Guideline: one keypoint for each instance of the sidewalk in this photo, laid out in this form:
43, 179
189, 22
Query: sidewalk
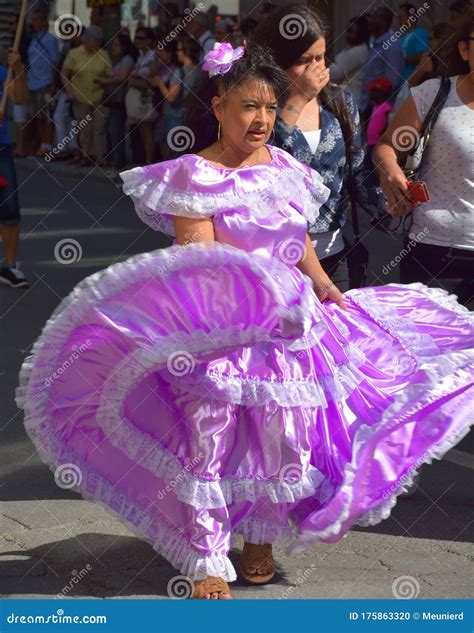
62, 168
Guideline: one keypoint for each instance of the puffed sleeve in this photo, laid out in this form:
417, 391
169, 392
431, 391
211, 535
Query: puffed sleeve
170, 188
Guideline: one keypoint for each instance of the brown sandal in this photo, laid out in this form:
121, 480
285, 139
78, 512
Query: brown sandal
210, 585
255, 556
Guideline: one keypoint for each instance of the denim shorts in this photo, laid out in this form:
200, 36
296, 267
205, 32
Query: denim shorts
9, 205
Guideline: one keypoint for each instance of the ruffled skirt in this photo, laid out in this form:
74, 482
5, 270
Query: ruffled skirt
204, 391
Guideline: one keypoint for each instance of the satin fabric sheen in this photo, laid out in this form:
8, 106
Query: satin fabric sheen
205, 391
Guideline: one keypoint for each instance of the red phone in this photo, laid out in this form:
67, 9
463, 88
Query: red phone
418, 191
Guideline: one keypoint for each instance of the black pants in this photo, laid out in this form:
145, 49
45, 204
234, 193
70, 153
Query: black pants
430, 264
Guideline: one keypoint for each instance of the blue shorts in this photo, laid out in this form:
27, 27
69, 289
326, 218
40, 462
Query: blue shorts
9, 205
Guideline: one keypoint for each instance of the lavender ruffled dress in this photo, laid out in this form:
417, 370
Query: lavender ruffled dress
203, 391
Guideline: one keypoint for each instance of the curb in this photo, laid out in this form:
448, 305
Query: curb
59, 168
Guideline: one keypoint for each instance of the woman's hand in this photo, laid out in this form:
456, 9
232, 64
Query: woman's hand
394, 185
14, 60
310, 83
330, 292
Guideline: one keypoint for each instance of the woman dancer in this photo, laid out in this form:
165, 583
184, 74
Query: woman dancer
224, 385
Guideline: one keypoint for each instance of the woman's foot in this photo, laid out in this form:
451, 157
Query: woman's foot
256, 563
211, 588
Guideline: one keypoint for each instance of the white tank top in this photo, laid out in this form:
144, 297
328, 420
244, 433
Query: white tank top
448, 170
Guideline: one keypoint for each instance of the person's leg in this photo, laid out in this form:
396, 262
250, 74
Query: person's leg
46, 132
121, 120
461, 266
10, 221
138, 153
261, 524
81, 111
424, 263
432, 265
147, 133
32, 125
20, 116
99, 135
59, 119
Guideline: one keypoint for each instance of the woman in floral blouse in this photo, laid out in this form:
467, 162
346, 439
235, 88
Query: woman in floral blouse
316, 124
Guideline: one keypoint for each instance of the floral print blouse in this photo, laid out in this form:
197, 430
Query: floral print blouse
330, 162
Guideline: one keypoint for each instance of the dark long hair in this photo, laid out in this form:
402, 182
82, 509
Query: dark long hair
456, 64
362, 25
289, 31
257, 64
127, 46
191, 47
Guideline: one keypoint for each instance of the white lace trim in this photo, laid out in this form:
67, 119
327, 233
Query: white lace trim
293, 308
260, 532
196, 491
165, 539
442, 298
251, 390
419, 345
439, 375
415, 343
155, 199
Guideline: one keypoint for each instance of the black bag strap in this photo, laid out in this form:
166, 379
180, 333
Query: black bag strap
433, 113
350, 186
436, 106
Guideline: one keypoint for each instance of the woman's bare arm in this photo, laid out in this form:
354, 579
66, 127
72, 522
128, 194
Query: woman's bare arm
402, 132
190, 230
310, 265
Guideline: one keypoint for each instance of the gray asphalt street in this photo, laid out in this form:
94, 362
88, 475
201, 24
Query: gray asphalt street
53, 542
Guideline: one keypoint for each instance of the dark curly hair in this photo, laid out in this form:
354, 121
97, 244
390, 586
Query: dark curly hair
257, 64
280, 32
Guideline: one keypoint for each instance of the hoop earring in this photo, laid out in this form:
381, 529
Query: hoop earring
219, 132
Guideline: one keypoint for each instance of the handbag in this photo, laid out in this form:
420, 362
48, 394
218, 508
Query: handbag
139, 106
402, 225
